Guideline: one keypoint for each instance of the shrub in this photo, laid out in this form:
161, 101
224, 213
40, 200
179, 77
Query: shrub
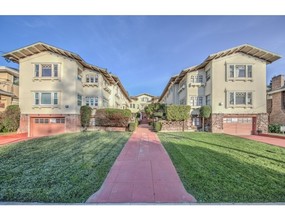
158, 114
151, 109
85, 115
136, 122
205, 112
111, 117
157, 126
177, 112
10, 119
274, 128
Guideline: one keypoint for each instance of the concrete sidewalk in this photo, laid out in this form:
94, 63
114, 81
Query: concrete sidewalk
13, 138
143, 173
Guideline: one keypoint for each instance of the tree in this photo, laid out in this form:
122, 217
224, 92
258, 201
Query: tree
85, 116
205, 112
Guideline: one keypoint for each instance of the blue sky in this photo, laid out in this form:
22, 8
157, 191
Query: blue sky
145, 51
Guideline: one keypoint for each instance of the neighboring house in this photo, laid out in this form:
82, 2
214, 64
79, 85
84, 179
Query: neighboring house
276, 100
232, 82
139, 102
9, 87
55, 83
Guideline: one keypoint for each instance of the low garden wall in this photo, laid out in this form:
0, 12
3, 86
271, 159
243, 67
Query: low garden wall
177, 125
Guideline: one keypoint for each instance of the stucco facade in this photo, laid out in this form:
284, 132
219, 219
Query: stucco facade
55, 84
139, 102
9, 87
231, 82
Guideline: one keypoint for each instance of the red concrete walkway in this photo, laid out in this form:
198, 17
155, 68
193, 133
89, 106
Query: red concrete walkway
143, 173
268, 140
13, 138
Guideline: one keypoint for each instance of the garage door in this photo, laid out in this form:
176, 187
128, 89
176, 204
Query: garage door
237, 126
46, 126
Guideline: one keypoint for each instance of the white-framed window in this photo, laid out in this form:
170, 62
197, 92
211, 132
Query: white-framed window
79, 100
92, 78
46, 98
46, 70
239, 71
196, 79
196, 100
239, 98
208, 74
91, 101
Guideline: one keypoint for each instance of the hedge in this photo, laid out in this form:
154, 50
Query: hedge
274, 128
111, 117
133, 125
85, 115
10, 119
177, 112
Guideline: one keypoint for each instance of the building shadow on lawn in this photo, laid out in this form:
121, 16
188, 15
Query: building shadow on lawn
215, 177
251, 154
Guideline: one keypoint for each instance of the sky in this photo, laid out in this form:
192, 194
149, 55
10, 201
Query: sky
145, 51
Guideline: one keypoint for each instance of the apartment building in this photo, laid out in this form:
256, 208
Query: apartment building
276, 100
232, 82
139, 102
55, 83
9, 87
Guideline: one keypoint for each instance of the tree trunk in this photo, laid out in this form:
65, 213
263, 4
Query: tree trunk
203, 125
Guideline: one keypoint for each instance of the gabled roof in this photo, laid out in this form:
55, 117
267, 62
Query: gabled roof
39, 47
136, 96
248, 49
170, 82
12, 71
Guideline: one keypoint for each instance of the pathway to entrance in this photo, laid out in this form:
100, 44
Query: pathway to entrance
13, 138
142, 173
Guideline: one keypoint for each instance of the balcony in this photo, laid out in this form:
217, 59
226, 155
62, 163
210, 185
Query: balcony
197, 84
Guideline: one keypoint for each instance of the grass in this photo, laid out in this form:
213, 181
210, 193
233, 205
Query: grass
218, 168
66, 168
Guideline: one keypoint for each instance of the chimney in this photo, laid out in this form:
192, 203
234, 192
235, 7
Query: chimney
278, 82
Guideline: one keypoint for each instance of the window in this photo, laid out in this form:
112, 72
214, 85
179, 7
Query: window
91, 101
196, 79
37, 99
55, 70
46, 98
240, 98
208, 75
239, 71
46, 70
96, 79
37, 70
87, 79
105, 103
182, 102
208, 100
79, 100
55, 99
92, 78
196, 100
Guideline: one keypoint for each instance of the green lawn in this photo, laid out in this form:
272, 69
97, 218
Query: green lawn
66, 168
222, 168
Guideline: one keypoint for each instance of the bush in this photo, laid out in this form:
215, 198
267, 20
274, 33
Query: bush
136, 122
158, 114
274, 128
157, 126
132, 126
177, 112
111, 117
85, 115
10, 119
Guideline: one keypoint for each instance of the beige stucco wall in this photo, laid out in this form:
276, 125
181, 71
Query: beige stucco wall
65, 85
140, 103
220, 84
